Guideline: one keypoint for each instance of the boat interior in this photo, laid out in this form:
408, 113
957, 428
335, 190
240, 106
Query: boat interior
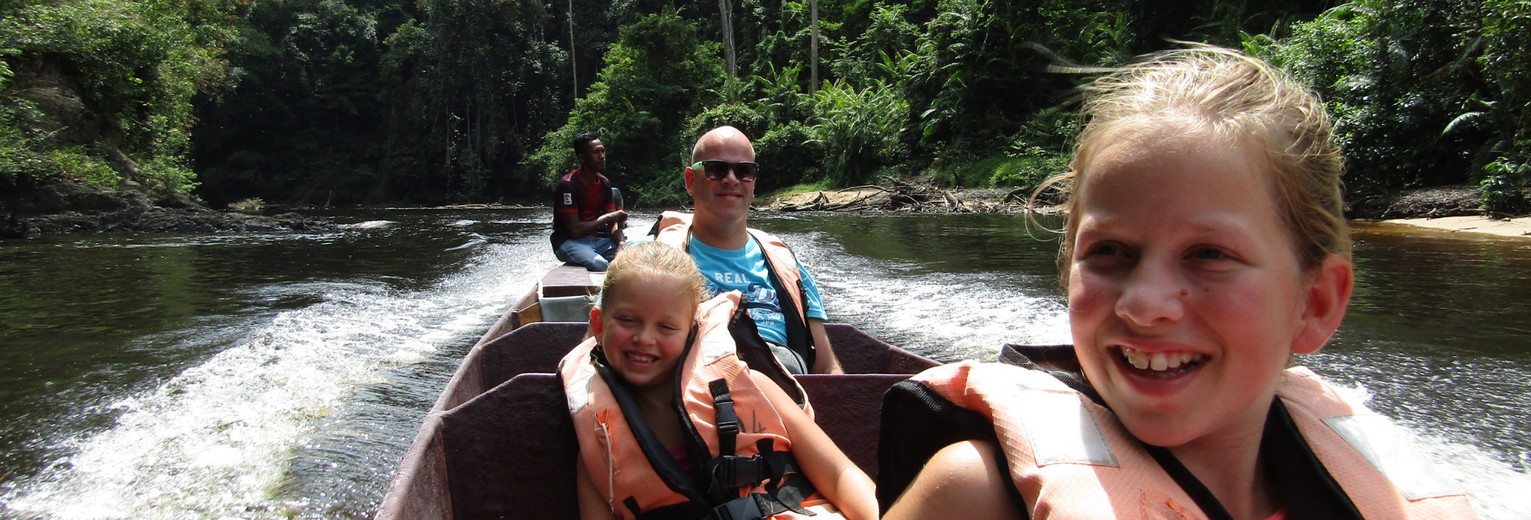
500, 444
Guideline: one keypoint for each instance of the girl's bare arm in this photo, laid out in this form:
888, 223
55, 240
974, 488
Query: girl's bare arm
830, 470
962, 480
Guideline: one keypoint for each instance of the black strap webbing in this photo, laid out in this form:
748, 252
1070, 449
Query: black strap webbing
760, 357
727, 418
743, 508
632, 505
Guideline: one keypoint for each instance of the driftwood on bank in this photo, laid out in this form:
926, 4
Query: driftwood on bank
905, 197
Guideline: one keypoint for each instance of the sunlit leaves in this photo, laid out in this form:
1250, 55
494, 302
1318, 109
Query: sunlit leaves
1407, 85
859, 130
133, 67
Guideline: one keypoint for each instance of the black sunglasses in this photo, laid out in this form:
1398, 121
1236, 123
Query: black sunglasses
717, 170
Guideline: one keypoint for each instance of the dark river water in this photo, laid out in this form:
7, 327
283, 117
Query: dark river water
283, 375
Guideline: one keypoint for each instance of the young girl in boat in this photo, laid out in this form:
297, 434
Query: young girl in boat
671, 421
1204, 246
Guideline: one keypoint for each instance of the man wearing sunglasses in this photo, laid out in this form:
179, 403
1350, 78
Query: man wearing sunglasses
587, 225
780, 295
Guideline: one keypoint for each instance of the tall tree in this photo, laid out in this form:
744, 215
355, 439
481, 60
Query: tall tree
726, 19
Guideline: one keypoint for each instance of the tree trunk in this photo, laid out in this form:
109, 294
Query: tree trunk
573, 67
726, 14
813, 47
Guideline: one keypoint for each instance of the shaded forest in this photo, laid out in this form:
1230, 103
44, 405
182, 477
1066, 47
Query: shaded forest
334, 102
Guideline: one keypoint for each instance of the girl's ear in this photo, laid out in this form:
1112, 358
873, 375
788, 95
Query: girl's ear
1326, 297
595, 321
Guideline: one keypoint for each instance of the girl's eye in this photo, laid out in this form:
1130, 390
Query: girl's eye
1211, 258
1104, 257
1105, 249
1209, 253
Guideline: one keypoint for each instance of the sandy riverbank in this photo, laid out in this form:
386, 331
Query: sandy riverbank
1515, 227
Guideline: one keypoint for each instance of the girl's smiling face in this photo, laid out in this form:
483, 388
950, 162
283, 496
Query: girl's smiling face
643, 328
1186, 296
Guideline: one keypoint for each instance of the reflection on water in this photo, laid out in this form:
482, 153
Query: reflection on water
256, 376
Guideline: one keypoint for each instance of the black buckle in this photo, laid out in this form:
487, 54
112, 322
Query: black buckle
732, 471
742, 508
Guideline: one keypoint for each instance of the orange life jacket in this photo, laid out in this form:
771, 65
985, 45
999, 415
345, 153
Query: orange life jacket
674, 228
1070, 457
740, 443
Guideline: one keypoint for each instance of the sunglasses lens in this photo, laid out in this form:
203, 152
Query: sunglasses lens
718, 170
745, 171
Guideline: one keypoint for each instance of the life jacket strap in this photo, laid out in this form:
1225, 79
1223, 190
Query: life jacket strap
755, 506
791, 492
742, 508
732, 471
727, 418
632, 505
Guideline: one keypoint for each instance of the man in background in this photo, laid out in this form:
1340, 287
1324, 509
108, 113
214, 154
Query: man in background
587, 225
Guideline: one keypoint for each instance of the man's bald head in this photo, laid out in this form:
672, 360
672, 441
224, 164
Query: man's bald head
723, 140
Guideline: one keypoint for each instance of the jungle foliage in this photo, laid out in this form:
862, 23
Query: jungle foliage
102, 90
431, 101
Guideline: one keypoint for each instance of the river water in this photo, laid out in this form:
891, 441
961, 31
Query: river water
284, 375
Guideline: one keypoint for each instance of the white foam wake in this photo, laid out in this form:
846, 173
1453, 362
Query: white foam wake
215, 441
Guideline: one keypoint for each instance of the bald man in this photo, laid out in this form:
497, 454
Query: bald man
779, 293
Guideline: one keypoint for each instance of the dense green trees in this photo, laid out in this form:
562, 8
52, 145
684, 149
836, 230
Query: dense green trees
432, 101
1424, 93
299, 118
660, 72
102, 90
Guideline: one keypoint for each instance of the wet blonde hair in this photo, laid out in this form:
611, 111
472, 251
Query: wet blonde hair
1232, 98
654, 260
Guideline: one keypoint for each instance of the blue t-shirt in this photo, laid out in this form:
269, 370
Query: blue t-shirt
744, 270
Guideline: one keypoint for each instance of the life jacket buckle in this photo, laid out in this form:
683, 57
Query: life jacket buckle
733, 471
742, 508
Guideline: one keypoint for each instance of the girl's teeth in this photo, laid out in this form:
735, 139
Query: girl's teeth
1158, 361
1136, 359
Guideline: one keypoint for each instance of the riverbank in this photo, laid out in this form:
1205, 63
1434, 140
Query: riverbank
77, 207
1446, 208
73, 207
1510, 227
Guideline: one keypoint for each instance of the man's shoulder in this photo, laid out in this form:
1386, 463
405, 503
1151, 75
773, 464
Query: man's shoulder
768, 238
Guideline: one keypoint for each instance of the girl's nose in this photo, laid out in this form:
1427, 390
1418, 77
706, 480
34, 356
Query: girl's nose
1152, 295
643, 336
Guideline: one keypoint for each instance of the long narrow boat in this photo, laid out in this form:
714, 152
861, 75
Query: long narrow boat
499, 442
